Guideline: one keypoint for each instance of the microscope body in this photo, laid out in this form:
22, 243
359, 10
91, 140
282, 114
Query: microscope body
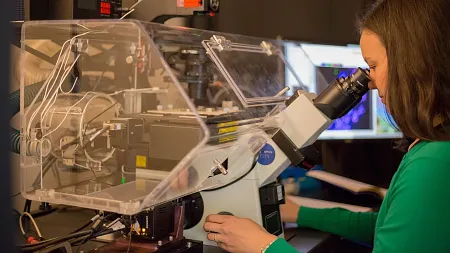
258, 196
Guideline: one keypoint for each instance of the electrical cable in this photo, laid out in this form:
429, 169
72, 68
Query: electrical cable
55, 95
93, 173
84, 240
96, 217
108, 227
94, 137
26, 209
98, 234
46, 83
72, 235
32, 220
135, 4
81, 237
81, 129
47, 243
27, 206
82, 227
129, 242
62, 238
65, 76
113, 223
131, 9
100, 114
92, 220
67, 113
49, 162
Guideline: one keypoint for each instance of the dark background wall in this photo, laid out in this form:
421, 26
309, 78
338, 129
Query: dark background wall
320, 21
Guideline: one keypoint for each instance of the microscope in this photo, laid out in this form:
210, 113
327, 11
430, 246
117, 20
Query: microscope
166, 125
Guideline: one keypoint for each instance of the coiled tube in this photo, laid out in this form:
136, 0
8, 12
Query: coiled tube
31, 92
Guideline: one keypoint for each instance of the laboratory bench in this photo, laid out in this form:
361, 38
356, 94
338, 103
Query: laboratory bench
66, 219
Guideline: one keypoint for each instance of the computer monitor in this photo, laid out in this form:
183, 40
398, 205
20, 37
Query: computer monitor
317, 66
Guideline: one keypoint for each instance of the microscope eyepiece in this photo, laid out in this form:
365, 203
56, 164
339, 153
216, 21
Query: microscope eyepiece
343, 94
357, 83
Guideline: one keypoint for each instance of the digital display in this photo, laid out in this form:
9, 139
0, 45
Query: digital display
88, 4
105, 8
317, 66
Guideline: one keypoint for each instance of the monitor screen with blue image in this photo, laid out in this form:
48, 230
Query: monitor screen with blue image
317, 66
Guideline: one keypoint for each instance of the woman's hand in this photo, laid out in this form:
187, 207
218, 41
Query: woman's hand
289, 211
237, 235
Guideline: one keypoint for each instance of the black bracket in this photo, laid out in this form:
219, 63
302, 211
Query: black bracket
306, 157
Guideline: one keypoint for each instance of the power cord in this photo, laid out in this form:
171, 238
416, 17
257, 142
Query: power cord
79, 238
50, 242
99, 227
131, 9
96, 217
32, 220
84, 241
129, 243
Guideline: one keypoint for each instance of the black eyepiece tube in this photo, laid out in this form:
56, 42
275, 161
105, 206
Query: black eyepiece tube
343, 94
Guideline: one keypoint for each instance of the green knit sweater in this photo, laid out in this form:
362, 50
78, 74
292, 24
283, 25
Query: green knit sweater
414, 216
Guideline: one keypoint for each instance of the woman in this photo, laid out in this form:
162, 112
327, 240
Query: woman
406, 43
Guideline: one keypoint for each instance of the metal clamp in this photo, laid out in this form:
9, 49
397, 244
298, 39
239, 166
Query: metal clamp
267, 47
220, 166
80, 46
221, 42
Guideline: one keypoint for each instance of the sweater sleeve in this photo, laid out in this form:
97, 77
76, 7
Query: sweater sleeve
355, 226
417, 219
351, 225
281, 245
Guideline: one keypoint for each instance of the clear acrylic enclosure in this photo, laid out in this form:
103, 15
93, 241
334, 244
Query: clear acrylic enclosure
135, 114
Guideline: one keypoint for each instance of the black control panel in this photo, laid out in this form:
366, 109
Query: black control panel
97, 9
74, 9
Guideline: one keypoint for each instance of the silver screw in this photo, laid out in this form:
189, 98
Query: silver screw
129, 59
214, 5
159, 243
189, 244
170, 238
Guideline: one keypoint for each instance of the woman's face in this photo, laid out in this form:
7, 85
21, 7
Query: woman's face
374, 54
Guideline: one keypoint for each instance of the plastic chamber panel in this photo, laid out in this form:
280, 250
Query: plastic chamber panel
135, 114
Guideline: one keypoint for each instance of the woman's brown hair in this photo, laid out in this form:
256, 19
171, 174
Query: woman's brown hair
416, 35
